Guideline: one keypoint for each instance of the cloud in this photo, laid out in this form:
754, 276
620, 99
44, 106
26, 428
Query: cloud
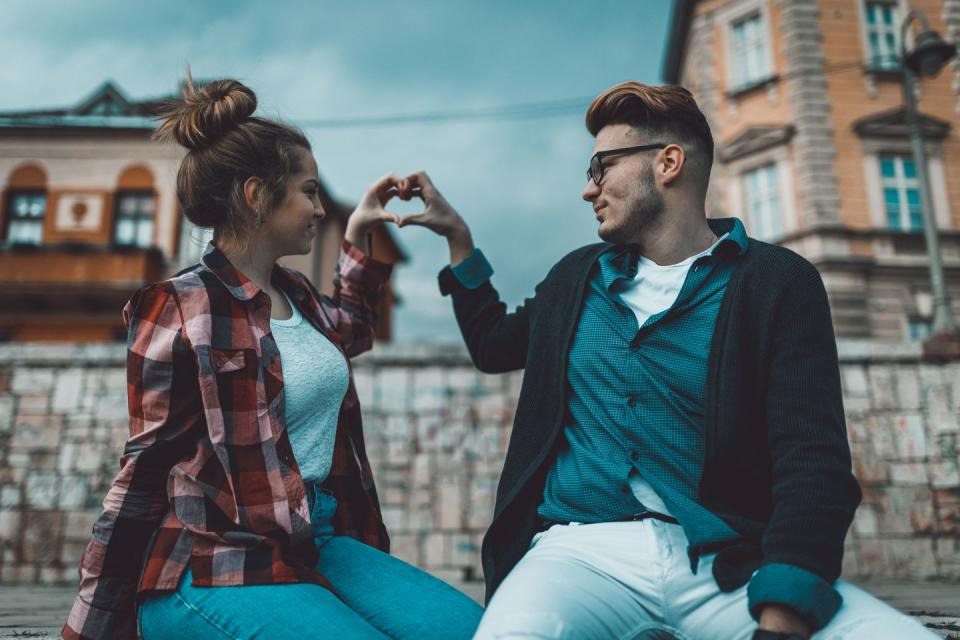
517, 183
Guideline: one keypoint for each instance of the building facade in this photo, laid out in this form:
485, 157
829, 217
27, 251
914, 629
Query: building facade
812, 149
89, 213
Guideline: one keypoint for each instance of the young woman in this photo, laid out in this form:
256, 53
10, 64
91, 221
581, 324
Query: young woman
245, 506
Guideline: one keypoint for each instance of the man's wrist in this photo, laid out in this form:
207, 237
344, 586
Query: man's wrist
461, 246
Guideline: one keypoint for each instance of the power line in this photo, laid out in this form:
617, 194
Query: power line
523, 111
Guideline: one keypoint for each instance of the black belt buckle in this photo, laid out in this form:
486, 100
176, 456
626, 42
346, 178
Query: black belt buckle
644, 515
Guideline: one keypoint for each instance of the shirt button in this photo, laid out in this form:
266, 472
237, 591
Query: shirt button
634, 455
219, 363
631, 400
624, 488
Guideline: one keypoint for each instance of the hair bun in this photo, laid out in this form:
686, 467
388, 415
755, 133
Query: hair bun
205, 113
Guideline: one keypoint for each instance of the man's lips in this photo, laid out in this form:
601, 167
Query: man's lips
596, 212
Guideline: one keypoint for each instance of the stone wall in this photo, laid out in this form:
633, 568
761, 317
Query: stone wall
436, 432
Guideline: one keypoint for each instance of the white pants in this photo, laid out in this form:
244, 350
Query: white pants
633, 579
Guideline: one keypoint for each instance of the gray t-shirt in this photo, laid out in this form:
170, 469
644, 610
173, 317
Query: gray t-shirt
315, 379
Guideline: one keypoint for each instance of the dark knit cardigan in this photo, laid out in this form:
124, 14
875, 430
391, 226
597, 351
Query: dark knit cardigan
777, 461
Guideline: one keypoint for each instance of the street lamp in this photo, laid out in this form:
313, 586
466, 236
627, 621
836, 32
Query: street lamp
930, 53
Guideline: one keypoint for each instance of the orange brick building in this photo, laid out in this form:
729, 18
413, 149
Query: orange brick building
88, 213
804, 97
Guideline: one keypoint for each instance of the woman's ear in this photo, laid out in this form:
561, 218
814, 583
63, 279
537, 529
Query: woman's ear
251, 194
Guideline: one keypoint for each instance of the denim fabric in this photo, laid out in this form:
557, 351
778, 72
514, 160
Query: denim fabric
380, 597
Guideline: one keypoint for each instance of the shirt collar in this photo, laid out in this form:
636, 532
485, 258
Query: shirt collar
620, 261
242, 287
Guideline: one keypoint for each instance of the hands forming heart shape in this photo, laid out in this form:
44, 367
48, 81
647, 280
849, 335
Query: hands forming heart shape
437, 214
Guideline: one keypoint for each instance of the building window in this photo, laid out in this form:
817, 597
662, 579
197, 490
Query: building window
748, 51
134, 219
901, 193
883, 38
764, 212
25, 213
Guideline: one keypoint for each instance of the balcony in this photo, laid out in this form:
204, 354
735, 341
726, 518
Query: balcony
70, 292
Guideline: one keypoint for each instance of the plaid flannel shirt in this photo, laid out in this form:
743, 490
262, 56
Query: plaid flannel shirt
208, 476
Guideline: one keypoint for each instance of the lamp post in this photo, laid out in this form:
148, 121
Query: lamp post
930, 53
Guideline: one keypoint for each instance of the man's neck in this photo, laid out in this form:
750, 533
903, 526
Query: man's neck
671, 243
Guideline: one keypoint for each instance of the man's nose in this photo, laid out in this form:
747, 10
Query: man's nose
591, 190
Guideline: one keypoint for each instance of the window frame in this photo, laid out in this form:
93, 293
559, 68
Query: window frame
10, 215
901, 9
138, 218
873, 149
738, 14
780, 156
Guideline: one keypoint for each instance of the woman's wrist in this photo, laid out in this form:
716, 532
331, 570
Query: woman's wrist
358, 236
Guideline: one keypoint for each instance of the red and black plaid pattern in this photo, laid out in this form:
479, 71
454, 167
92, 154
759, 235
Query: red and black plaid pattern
208, 476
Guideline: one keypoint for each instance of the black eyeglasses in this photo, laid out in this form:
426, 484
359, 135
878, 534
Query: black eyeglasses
595, 172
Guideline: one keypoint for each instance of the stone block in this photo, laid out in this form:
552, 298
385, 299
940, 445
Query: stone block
865, 521
10, 496
36, 432
942, 418
463, 379
29, 380
394, 518
18, 573
882, 438
449, 505
41, 535
74, 492
436, 550
71, 552
905, 473
883, 386
406, 547
67, 391
944, 474
868, 467
392, 391
910, 437
872, 558
6, 413
854, 381
947, 503
42, 490
91, 456
463, 550
33, 405
908, 388
480, 501
363, 380
905, 510
111, 412
851, 568
115, 381
78, 525
450, 576
429, 389
912, 558
9, 525
52, 575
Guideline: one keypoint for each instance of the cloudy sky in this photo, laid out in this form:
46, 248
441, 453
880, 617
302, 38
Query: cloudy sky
517, 181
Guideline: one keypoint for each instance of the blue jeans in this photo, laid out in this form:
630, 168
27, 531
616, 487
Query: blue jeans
383, 597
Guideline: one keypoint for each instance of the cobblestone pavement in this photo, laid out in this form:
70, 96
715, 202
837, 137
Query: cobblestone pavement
39, 612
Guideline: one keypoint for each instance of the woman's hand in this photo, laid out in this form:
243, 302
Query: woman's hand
437, 215
371, 212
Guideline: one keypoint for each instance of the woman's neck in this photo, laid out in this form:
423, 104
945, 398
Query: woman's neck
254, 262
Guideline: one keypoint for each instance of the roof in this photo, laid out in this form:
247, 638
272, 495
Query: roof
676, 42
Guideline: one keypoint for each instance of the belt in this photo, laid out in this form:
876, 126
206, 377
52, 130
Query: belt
546, 523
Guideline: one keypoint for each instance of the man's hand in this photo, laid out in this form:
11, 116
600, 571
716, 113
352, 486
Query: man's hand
783, 619
437, 215
371, 212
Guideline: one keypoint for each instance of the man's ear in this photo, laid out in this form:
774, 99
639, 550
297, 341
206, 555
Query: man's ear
672, 161
251, 194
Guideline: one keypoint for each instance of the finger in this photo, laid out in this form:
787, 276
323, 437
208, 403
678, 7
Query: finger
390, 216
383, 182
416, 220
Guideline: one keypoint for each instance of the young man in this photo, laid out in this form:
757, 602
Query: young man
679, 459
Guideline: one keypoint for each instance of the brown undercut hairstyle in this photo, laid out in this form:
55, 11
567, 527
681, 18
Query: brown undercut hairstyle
226, 146
666, 114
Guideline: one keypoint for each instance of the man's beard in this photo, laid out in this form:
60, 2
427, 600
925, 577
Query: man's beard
645, 212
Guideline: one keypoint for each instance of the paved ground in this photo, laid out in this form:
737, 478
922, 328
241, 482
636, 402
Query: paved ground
39, 612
